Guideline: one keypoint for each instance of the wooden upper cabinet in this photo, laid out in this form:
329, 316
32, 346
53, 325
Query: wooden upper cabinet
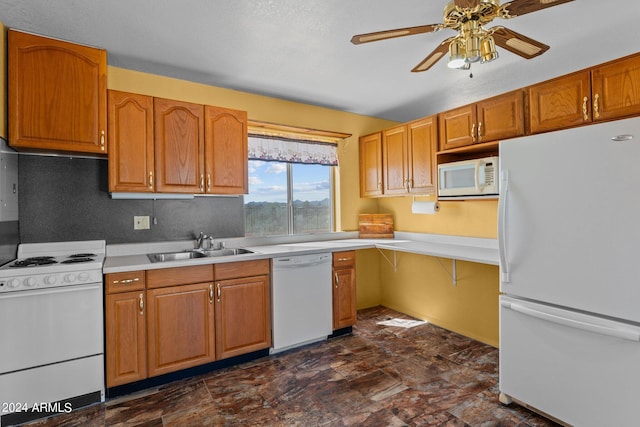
226, 151
371, 165
179, 146
57, 95
394, 160
560, 103
130, 131
616, 89
500, 117
489, 120
423, 144
457, 127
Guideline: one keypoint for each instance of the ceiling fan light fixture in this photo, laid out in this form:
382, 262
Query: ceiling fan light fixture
473, 48
457, 54
488, 49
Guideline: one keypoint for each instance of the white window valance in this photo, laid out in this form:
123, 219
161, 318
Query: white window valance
292, 151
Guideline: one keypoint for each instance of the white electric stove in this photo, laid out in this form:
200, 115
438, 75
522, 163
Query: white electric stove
51, 312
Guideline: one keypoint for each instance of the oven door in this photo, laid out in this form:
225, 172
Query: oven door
46, 326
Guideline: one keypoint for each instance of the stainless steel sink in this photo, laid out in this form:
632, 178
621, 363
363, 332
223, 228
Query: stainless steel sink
227, 252
185, 255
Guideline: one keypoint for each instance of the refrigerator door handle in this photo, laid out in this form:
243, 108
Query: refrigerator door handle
502, 226
623, 333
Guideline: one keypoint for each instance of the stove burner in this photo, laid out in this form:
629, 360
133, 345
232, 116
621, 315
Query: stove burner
82, 255
34, 261
76, 259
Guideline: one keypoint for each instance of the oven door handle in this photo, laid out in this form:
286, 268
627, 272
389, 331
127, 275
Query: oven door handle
49, 291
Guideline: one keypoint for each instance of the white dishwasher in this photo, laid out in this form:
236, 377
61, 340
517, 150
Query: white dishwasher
301, 300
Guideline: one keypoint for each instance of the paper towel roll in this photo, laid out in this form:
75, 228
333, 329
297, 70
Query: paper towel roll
424, 207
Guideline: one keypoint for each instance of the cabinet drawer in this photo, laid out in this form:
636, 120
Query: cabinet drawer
179, 276
232, 270
124, 282
344, 259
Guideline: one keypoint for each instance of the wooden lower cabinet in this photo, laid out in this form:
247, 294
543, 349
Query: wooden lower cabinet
344, 289
180, 327
126, 328
243, 307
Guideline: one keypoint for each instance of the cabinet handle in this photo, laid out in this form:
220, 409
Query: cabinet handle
219, 292
150, 180
480, 132
473, 132
141, 304
102, 140
585, 116
126, 281
344, 259
379, 185
336, 277
211, 294
208, 182
596, 108
201, 182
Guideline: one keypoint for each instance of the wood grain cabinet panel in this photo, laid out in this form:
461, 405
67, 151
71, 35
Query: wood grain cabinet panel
500, 117
226, 151
180, 324
130, 130
243, 315
423, 144
616, 89
344, 289
370, 147
126, 337
394, 160
456, 127
560, 103
57, 95
179, 146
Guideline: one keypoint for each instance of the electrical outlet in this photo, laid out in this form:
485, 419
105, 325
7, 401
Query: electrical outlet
141, 223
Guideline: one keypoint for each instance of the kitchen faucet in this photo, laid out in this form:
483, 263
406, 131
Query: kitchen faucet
212, 243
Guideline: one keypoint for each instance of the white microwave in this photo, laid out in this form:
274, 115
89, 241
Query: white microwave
468, 179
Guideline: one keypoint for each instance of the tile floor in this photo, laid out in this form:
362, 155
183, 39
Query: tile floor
378, 376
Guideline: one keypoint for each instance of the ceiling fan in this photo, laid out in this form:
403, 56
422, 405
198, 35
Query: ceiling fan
473, 43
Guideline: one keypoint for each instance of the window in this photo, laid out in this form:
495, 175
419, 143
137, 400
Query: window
293, 196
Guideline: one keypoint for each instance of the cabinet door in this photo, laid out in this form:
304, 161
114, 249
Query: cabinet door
616, 89
560, 103
371, 165
226, 148
130, 142
180, 327
500, 117
243, 316
57, 94
394, 160
126, 338
457, 128
423, 144
179, 146
344, 297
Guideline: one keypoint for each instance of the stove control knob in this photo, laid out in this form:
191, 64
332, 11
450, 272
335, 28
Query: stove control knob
70, 278
30, 282
83, 277
50, 280
13, 283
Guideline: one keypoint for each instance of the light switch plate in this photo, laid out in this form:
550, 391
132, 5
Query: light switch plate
141, 223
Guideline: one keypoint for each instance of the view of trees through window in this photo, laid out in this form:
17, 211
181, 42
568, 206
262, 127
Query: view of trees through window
286, 198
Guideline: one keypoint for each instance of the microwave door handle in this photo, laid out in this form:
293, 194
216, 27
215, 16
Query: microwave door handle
477, 177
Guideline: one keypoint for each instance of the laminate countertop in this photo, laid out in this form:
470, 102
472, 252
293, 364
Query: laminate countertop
130, 257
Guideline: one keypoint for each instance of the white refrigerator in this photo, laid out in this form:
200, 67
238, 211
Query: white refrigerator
569, 238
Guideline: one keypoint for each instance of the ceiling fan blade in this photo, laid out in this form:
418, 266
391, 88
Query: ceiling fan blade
466, 4
521, 7
433, 57
399, 32
517, 43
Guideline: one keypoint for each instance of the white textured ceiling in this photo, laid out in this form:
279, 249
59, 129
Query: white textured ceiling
300, 49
